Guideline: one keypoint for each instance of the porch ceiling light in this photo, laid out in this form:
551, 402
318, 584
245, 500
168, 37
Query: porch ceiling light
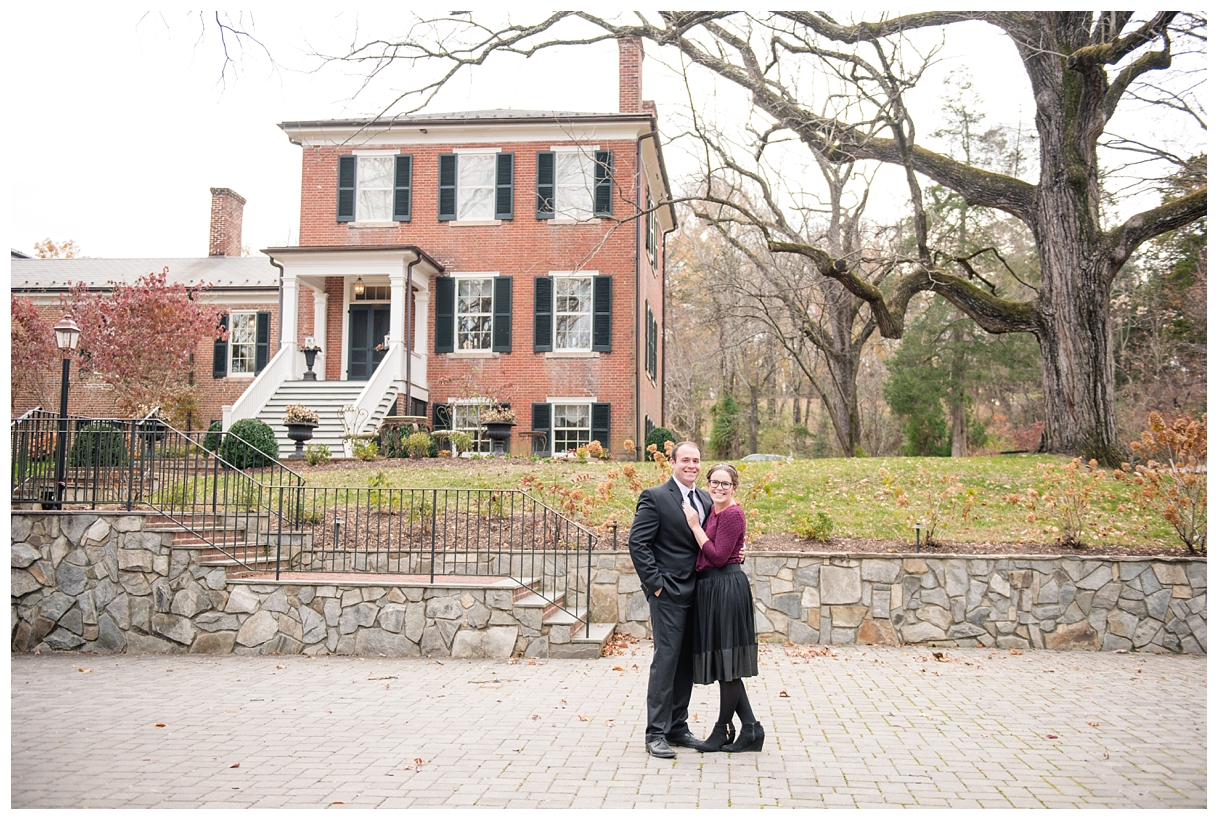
67, 334
359, 286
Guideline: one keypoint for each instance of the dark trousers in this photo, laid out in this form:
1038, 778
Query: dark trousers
671, 681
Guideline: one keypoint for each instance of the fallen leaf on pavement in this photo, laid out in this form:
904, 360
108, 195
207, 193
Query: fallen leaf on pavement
783, 694
235, 766
585, 718
1093, 723
618, 669
1016, 652
82, 669
161, 725
1051, 736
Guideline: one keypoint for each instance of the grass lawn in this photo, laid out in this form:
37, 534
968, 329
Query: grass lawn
975, 500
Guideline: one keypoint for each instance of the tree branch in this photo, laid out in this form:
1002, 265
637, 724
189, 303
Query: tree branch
1125, 239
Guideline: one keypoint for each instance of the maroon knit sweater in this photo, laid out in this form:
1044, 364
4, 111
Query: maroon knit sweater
725, 539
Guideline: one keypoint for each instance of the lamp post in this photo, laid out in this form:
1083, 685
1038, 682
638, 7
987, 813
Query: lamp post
67, 335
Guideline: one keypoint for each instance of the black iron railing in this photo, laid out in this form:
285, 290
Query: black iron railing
245, 516
446, 532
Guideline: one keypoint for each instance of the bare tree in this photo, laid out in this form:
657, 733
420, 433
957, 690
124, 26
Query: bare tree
1081, 66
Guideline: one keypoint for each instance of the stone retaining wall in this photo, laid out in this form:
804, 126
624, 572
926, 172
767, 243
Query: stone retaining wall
1147, 604
97, 582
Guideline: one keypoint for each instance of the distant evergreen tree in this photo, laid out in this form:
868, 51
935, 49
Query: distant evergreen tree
725, 432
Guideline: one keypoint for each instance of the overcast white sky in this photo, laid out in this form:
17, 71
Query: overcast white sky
120, 124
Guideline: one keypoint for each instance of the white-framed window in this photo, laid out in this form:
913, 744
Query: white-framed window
466, 414
374, 188
474, 313
573, 313
476, 187
242, 342
572, 426
574, 177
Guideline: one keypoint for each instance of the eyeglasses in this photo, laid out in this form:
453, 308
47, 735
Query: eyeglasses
720, 485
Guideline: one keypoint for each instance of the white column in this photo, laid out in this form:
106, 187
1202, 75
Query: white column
288, 324
321, 300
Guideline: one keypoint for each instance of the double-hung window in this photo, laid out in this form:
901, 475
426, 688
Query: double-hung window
574, 183
571, 423
466, 419
374, 186
474, 313
476, 186
247, 349
572, 312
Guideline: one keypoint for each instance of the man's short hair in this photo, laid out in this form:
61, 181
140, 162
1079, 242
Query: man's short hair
677, 449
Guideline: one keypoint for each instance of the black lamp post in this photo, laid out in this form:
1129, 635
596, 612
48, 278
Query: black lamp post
67, 334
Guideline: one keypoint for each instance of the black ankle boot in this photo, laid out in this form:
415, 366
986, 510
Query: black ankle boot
752, 736
721, 735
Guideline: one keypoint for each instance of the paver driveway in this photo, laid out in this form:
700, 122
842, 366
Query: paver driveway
855, 727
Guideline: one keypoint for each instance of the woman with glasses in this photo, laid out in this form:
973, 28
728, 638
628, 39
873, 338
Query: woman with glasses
725, 641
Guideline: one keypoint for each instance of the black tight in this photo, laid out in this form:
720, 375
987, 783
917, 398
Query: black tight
733, 700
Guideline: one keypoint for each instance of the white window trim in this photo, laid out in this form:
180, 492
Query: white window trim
488, 353
229, 351
372, 152
472, 223
573, 352
574, 149
583, 401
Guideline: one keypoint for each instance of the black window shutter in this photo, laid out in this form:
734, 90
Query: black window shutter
448, 187
402, 167
442, 416
602, 313
501, 332
504, 165
541, 424
446, 309
219, 353
545, 184
602, 198
346, 189
543, 314
262, 346
600, 423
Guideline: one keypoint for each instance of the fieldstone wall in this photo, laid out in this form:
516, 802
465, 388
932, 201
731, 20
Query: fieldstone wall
1150, 605
97, 582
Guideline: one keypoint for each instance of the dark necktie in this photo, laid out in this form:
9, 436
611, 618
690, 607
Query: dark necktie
693, 503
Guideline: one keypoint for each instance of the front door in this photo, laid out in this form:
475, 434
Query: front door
368, 325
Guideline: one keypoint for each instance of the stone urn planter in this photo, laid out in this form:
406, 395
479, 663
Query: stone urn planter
500, 433
300, 433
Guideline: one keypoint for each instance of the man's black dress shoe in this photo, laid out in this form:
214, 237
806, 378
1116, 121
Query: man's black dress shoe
685, 739
660, 748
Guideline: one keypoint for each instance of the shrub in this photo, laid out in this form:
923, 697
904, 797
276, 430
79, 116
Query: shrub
249, 443
365, 450
461, 441
817, 527
658, 436
725, 432
1172, 482
98, 445
211, 441
418, 444
1067, 501
317, 454
931, 501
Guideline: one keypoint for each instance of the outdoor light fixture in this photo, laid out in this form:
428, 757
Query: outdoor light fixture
67, 336
310, 342
918, 537
359, 286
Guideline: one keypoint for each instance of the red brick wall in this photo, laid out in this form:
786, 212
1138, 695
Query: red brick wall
522, 248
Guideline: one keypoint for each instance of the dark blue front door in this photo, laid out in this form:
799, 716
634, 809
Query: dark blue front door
368, 326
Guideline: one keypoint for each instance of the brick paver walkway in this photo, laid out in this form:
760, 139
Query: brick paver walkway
860, 727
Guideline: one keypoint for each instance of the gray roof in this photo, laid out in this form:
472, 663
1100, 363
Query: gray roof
221, 272
488, 115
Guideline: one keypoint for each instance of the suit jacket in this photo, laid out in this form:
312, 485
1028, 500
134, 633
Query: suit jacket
663, 549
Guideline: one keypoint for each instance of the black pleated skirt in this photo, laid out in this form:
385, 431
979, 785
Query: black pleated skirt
725, 639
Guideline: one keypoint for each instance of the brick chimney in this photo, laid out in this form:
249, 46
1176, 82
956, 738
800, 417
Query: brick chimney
226, 208
630, 75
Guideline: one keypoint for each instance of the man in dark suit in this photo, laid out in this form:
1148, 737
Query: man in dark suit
664, 552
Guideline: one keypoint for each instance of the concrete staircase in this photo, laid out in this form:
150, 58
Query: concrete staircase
328, 398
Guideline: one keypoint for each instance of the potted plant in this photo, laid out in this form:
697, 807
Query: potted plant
498, 422
310, 351
301, 421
